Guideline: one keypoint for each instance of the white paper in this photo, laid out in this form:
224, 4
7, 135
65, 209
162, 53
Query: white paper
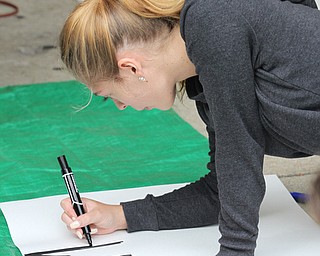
285, 229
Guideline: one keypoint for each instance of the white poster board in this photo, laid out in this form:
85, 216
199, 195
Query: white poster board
285, 229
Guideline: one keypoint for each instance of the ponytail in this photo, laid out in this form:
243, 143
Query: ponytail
156, 8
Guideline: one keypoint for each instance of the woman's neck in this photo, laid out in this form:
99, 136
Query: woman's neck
177, 56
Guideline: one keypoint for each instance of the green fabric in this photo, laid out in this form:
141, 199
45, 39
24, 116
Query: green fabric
106, 148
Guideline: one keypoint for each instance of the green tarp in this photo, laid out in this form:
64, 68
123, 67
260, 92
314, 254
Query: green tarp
106, 148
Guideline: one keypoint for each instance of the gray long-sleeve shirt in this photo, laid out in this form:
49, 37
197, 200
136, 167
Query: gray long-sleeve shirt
258, 90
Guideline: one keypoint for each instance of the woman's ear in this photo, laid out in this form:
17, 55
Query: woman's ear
130, 65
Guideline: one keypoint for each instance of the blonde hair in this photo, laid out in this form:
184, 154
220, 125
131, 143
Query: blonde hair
96, 29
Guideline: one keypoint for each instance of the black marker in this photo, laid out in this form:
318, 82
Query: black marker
67, 175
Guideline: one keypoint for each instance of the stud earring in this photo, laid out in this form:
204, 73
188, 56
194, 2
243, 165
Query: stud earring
142, 78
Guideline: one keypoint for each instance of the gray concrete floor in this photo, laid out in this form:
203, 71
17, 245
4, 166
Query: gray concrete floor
28, 54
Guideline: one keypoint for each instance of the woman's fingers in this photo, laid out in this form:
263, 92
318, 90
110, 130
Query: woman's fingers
102, 218
67, 207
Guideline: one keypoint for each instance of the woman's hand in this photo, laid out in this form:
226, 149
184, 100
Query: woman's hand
102, 218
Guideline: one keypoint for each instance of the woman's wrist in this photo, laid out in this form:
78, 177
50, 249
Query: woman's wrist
121, 219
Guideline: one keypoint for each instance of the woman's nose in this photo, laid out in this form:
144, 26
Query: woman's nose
119, 104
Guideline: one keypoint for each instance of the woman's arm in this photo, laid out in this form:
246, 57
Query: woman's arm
194, 205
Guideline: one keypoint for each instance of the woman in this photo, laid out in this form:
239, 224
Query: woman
251, 66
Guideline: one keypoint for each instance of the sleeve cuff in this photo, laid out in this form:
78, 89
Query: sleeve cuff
140, 215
